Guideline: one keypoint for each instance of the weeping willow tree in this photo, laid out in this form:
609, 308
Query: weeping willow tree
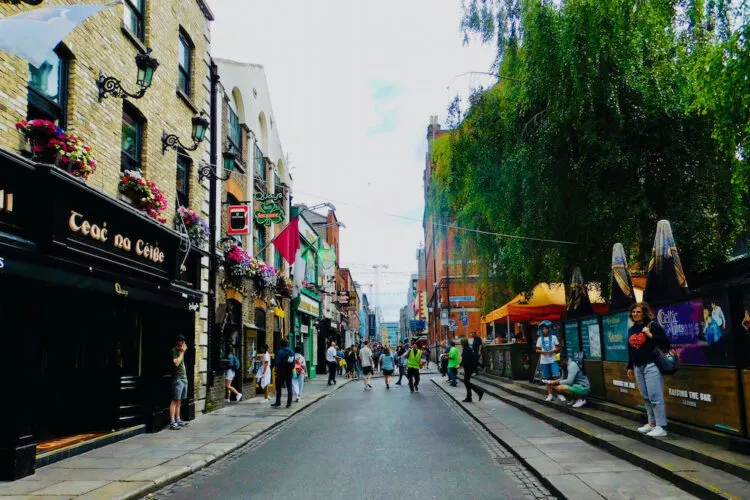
608, 116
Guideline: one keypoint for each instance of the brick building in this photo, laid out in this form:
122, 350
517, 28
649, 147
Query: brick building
450, 280
94, 290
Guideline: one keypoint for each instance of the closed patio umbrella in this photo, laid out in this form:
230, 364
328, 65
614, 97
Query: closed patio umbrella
621, 294
578, 303
665, 278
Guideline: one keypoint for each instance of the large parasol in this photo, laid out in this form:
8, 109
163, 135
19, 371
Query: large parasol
665, 279
578, 298
621, 294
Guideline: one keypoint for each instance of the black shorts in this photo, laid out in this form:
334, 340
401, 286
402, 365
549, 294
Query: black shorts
367, 370
388, 372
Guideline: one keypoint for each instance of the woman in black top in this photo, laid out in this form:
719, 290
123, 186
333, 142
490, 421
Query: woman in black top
643, 337
469, 363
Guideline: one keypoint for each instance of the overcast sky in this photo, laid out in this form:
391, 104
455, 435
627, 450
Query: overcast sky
353, 84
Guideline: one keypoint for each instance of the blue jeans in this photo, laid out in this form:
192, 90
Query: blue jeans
453, 375
651, 384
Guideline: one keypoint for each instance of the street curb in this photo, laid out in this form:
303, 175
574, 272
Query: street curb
546, 482
176, 476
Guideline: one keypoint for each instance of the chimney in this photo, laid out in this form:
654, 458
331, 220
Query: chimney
433, 128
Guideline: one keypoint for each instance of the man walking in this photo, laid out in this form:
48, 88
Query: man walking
413, 364
401, 361
332, 360
476, 346
179, 383
468, 361
365, 359
453, 362
284, 367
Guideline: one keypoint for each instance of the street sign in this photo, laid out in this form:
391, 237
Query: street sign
452, 325
462, 298
239, 219
417, 325
464, 318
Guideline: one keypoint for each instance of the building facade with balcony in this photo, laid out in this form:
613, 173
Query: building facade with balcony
97, 277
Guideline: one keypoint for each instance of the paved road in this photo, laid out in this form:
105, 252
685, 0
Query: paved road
374, 444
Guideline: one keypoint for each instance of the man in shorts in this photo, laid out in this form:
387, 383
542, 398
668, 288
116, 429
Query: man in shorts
548, 346
179, 383
365, 359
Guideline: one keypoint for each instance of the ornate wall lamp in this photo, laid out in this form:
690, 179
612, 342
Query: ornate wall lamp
111, 85
206, 171
171, 141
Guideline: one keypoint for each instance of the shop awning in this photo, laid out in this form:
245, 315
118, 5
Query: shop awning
546, 302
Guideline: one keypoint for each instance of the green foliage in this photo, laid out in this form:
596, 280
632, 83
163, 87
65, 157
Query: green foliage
610, 115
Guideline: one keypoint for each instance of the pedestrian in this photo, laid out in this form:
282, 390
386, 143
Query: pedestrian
469, 361
332, 361
478, 349
401, 360
300, 373
340, 362
351, 362
413, 364
375, 357
365, 359
359, 365
643, 338
386, 363
575, 383
284, 366
232, 370
426, 357
454, 360
548, 346
179, 383
444, 360
263, 377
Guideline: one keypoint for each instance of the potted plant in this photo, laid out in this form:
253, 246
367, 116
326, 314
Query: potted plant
73, 155
284, 285
39, 133
195, 225
143, 194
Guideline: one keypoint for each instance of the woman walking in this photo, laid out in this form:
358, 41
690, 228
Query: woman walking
643, 338
469, 362
300, 373
386, 363
264, 372
234, 367
351, 362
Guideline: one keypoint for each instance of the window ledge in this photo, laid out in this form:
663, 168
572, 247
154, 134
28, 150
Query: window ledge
186, 99
133, 39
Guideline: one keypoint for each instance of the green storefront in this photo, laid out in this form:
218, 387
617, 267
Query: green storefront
306, 310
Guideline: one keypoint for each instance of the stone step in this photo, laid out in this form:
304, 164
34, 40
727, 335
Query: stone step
684, 462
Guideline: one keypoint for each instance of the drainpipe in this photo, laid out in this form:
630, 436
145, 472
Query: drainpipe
212, 205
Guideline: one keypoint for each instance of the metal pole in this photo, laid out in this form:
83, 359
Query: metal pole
507, 334
214, 74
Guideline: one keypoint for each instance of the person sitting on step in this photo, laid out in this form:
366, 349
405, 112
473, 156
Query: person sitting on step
576, 382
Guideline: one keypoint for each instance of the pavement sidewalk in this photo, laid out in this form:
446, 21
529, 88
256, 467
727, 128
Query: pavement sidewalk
569, 466
136, 466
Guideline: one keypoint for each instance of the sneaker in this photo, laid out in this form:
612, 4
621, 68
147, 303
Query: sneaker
226, 400
275, 405
239, 397
656, 432
545, 381
175, 426
549, 397
297, 400
645, 428
182, 423
579, 403
368, 385
288, 405
466, 401
561, 398
416, 388
481, 395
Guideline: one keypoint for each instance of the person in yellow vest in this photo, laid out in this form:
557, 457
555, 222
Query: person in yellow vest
413, 364
454, 360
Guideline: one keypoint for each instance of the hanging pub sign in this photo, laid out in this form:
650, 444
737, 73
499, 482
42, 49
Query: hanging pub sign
344, 298
269, 211
352, 298
238, 219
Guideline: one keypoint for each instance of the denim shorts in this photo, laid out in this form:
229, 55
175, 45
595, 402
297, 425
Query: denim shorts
550, 370
179, 389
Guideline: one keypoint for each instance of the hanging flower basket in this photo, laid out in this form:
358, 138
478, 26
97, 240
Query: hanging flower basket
39, 133
144, 194
73, 155
194, 224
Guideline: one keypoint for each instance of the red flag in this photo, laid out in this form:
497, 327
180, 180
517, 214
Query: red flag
287, 242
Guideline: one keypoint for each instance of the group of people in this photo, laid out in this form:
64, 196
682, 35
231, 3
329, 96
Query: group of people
468, 359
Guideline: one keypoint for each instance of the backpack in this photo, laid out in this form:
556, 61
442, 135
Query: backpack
298, 365
290, 359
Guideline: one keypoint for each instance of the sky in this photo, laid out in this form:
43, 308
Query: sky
353, 84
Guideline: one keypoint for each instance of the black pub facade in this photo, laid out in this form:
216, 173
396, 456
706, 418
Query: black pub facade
92, 294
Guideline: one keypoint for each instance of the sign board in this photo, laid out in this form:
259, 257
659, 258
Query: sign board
238, 219
304, 329
344, 298
444, 317
615, 332
309, 306
591, 342
464, 318
570, 333
352, 298
417, 325
462, 298
452, 325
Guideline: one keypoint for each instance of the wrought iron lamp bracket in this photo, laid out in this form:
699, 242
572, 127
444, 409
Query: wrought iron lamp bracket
111, 85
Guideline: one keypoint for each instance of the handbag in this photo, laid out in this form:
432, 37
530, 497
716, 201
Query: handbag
668, 363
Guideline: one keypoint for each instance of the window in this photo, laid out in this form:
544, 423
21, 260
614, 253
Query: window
260, 164
48, 88
183, 179
132, 139
259, 240
234, 130
134, 18
184, 58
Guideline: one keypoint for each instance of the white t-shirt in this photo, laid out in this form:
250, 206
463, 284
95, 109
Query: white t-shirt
548, 358
331, 355
365, 355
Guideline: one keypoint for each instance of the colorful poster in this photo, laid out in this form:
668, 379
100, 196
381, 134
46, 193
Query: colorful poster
592, 346
615, 330
572, 344
699, 330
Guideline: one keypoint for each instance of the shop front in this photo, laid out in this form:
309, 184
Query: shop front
92, 294
306, 309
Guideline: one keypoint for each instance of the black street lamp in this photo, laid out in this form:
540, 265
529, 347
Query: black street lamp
171, 141
206, 172
111, 85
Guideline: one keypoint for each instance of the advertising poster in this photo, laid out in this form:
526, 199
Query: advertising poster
572, 344
615, 330
592, 347
698, 329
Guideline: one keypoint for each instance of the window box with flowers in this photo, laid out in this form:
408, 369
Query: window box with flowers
143, 194
195, 226
38, 134
48, 143
239, 268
